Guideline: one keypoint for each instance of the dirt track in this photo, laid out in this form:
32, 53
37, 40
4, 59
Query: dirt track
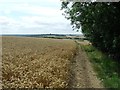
82, 73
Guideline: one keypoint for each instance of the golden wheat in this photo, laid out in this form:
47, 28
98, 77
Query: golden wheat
36, 62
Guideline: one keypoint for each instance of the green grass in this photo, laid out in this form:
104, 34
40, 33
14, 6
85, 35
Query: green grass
106, 68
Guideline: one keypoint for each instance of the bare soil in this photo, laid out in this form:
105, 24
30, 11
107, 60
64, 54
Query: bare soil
82, 73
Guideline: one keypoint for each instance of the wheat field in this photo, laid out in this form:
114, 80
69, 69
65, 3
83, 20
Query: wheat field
36, 62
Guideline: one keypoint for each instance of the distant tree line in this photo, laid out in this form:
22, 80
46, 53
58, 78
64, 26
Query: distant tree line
99, 21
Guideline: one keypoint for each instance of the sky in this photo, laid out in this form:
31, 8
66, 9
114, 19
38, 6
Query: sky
33, 17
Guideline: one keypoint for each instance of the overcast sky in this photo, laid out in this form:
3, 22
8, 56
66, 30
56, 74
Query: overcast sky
33, 17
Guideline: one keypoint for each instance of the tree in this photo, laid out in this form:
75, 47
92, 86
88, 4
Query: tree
99, 23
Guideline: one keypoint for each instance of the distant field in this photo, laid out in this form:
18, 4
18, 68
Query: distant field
36, 62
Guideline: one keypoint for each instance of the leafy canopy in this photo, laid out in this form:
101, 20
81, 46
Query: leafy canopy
99, 22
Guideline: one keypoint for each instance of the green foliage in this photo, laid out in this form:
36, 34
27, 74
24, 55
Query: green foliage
106, 68
99, 23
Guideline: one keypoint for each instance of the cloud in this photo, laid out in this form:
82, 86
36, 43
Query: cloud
33, 1
32, 16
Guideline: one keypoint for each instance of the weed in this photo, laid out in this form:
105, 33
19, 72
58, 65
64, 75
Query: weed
106, 68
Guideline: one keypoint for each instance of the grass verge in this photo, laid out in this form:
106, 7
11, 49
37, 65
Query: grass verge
106, 68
